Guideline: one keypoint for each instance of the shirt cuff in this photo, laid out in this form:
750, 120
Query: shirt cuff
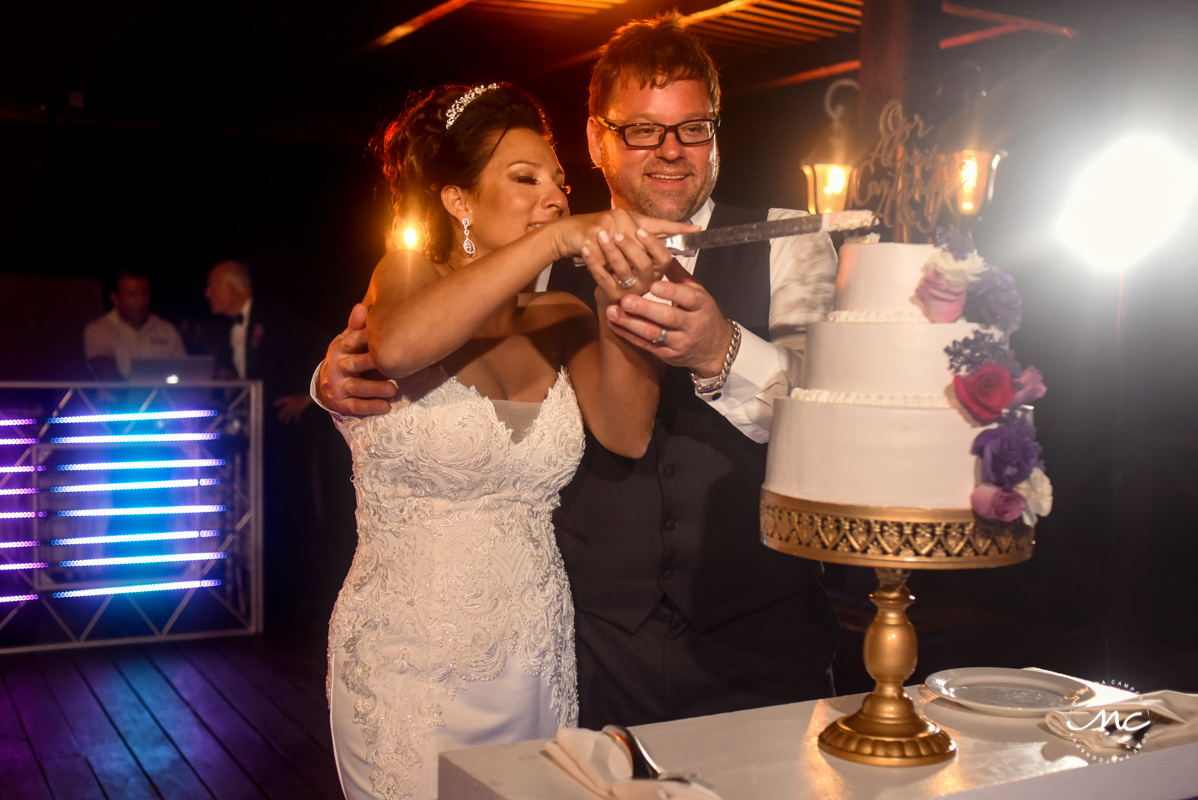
758, 376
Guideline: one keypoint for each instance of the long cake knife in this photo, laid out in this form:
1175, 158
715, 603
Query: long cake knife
687, 243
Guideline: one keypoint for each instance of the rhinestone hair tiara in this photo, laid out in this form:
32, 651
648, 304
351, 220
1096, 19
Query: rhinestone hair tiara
460, 104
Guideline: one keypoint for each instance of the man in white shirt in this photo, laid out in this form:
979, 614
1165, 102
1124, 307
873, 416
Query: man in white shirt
128, 331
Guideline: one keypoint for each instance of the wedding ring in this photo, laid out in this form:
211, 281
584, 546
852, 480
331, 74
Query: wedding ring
627, 283
661, 337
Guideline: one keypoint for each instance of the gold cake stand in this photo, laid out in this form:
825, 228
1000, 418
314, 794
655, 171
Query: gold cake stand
887, 730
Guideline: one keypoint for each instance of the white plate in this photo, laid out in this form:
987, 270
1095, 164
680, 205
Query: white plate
1009, 692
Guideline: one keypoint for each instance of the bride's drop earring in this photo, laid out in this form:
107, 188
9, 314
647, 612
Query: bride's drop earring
467, 245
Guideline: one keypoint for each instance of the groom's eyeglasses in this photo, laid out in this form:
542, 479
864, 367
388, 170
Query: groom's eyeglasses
645, 135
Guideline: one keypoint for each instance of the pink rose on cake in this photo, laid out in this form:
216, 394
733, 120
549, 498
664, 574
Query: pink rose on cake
986, 393
945, 284
1031, 386
994, 502
943, 300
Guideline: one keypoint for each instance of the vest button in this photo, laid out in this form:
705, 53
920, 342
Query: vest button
670, 525
668, 471
668, 574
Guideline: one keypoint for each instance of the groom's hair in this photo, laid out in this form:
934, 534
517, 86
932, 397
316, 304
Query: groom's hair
657, 51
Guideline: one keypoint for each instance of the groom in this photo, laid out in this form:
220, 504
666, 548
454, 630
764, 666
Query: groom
680, 610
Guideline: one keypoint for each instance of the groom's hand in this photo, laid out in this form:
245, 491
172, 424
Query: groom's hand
696, 334
340, 386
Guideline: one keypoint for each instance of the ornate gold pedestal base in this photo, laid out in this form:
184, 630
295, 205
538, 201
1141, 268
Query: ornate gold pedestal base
887, 731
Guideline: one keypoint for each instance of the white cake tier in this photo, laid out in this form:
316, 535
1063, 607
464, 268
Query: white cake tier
871, 456
882, 363
876, 282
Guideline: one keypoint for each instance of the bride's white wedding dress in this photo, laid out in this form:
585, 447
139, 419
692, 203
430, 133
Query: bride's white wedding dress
454, 627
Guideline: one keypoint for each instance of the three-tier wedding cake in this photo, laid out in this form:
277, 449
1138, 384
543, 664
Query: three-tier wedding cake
910, 395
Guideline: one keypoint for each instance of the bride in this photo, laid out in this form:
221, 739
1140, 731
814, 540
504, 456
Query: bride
455, 627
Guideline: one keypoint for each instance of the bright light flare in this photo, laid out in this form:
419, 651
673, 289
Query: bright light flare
1130, 198
410, 238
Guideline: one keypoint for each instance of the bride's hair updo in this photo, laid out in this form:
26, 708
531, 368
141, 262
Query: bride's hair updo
420, 156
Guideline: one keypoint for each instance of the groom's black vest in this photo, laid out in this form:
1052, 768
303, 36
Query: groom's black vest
683, 520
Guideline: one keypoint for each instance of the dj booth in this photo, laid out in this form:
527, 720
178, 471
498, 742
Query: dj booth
129, 512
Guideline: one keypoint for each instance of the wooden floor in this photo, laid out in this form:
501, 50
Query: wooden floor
228, 719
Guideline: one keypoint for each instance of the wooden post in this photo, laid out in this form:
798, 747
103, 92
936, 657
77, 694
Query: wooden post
900, 59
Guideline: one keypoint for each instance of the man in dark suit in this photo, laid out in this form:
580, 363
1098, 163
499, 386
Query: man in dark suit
271, 343
680, 610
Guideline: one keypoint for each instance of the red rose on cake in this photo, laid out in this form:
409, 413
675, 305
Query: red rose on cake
986, 393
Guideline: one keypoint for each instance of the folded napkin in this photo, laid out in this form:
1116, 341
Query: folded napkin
1174, 717
603, 765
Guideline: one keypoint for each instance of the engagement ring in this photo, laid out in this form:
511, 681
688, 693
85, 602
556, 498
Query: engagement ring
627, 283
661, 337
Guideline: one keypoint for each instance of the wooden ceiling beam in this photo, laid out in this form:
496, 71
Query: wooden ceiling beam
787, 11
791, 21
768, 30
977, 36
1006, 19
414, 24
846, 16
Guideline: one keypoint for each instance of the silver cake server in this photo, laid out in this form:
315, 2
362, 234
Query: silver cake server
688, 243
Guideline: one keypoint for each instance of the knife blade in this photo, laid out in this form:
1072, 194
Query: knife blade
688, 243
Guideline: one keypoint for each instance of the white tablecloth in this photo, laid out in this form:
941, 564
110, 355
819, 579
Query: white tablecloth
772, 753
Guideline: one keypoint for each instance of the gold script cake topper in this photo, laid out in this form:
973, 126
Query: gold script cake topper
911, 183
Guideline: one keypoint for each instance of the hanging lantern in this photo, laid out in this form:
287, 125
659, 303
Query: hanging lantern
827, 186
828, 170
974, 178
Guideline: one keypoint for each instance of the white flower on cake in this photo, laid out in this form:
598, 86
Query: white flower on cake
1037, 490
959, 274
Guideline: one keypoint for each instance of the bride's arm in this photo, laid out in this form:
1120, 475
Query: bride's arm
616, 383
417, 318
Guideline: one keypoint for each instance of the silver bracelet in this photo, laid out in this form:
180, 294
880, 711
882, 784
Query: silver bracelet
705, 386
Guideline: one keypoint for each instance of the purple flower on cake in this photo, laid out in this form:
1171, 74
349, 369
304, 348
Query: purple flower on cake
986, 393
993, 301
966, 356
1037, 490
943, 300
1008, 452
994, 502
954, 240
1030, 386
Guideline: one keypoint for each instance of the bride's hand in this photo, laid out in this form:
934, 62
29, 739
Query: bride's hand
620, 248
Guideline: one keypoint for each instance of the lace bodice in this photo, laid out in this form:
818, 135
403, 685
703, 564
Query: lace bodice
456, 568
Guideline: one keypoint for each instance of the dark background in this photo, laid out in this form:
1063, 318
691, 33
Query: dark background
203, 131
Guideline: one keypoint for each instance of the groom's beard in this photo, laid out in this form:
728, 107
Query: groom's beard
678, 206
